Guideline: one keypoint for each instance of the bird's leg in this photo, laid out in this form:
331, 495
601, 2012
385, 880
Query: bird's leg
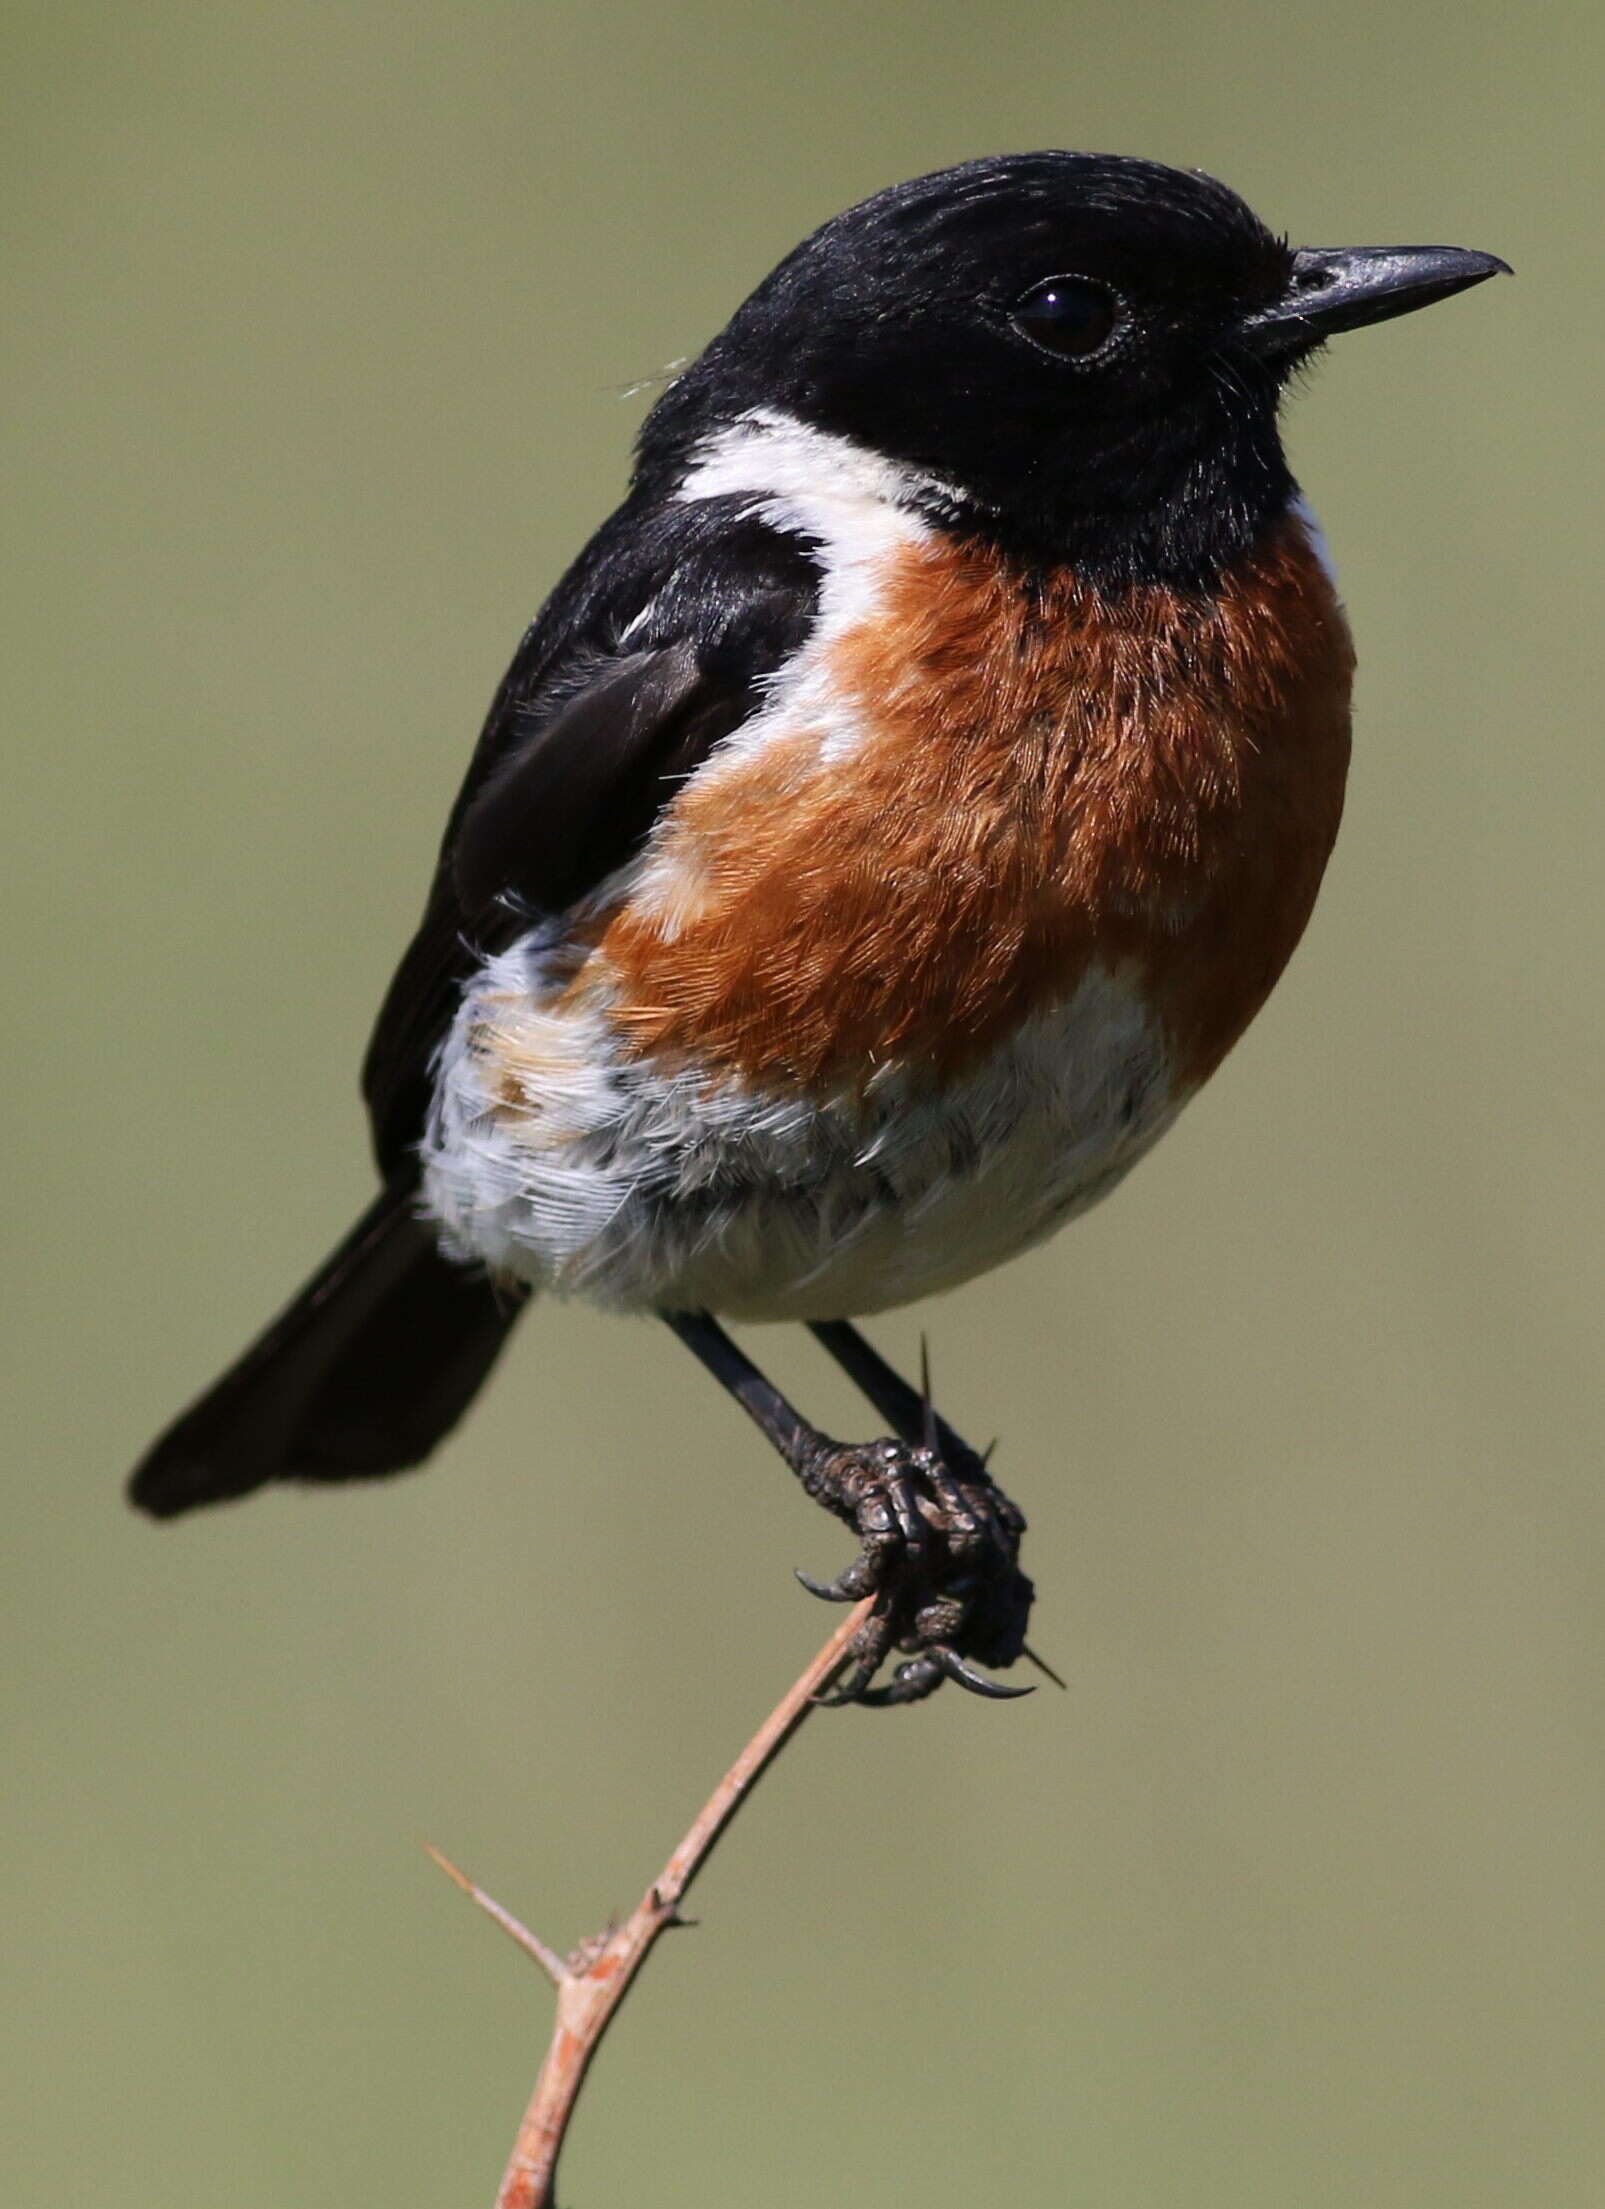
939, 1542
909, 1412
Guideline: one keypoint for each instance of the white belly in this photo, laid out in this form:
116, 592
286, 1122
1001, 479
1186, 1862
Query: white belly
555, 1158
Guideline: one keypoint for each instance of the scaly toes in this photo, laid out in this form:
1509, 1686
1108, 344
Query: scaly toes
924, 1674
938, 1550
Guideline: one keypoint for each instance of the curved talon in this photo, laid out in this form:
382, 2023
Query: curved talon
857, 1579
919, 1677
828, 1591
953, 1665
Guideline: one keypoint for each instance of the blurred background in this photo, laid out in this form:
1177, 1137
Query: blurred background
325, 338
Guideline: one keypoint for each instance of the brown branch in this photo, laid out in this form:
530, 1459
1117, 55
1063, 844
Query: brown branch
593, 1981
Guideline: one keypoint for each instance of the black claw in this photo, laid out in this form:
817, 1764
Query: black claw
954, 1666
853, 1581
827, 1591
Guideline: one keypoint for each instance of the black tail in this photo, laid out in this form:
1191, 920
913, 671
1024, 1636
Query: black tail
376, 1359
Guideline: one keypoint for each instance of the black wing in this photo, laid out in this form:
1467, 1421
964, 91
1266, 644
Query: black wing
653, 648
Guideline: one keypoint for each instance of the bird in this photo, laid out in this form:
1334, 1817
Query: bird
888, 823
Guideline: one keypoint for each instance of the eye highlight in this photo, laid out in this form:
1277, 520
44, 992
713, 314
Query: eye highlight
1069, 315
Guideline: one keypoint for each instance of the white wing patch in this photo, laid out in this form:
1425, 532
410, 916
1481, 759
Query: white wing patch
859, 510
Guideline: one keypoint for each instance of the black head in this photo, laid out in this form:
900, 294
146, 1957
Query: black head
1088, 349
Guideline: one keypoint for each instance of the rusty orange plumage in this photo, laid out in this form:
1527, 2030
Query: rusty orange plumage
1052, 775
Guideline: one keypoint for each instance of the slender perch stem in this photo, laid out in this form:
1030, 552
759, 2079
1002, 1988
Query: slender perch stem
593, 1981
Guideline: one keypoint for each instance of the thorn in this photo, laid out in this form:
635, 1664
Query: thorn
925, 1393
532, 1945
1047, 1670
986, 1454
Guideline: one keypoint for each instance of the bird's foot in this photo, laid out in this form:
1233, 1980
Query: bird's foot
940, 1544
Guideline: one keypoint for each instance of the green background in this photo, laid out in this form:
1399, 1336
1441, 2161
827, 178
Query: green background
321, 333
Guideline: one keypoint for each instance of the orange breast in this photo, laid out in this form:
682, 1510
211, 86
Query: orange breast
1046, 777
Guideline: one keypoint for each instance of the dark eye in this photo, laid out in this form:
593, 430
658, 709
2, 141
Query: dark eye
1068, 315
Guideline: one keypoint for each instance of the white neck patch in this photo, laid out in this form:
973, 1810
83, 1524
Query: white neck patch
1304, 514
810, 480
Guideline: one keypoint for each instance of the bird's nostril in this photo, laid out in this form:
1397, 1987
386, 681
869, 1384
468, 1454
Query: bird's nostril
1312, 279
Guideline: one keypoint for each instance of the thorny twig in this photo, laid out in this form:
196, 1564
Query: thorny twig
593, 1981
